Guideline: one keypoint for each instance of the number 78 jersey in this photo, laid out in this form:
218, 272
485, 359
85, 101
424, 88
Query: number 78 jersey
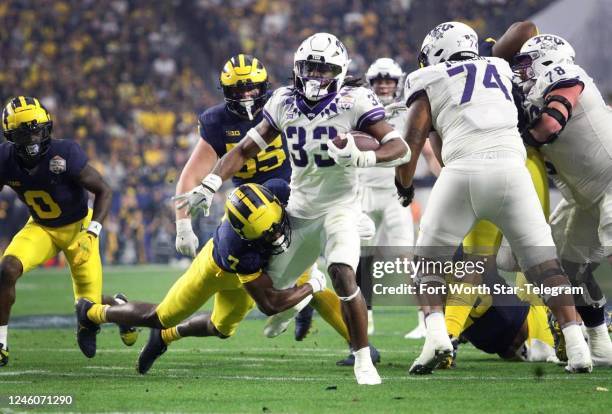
471, 106
317, 182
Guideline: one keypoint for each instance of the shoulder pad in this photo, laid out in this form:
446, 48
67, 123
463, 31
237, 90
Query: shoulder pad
419, 80
558, 76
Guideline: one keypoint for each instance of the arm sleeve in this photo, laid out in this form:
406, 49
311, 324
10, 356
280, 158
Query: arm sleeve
272, 109
368, 109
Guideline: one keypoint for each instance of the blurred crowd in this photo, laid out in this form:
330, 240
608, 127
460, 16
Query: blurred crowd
127, 78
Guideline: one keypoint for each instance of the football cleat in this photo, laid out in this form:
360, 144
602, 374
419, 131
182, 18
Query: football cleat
153, 349
450, 361
349, 361
86, 329
600, 346
4, 353
366, 374
303, 322
128, 334
436, 349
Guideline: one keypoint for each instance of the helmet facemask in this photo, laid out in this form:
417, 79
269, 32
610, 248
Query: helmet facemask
32, 141
277, 239
246, 99
315, 80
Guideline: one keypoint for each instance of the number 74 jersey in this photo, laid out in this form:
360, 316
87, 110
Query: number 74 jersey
317, 182
471, 106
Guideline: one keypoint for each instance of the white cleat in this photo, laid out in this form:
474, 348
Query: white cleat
277, 324
578, 355
600, 346
366, 374
436, 349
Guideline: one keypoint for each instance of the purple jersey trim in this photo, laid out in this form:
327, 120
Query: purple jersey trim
268, 117
370, 117
317, 108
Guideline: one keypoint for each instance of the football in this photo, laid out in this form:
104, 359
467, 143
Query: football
364, 142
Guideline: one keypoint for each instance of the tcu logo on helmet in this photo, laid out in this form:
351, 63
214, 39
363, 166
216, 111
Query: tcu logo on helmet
439, 30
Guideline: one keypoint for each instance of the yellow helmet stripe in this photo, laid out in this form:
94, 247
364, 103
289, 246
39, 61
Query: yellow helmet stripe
22, 101
262, 195
241, 61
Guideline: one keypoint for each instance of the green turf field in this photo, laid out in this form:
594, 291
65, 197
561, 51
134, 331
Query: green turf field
250, 373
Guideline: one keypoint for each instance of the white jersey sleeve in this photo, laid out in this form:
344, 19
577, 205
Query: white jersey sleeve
367, 109
420, 81
559, 76
279, 103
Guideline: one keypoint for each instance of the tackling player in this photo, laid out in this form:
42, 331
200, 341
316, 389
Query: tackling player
572, 126
230, 268
245, 85
467, 100
52, 177
323, 208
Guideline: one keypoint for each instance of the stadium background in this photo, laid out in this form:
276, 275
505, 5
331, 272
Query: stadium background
126, 79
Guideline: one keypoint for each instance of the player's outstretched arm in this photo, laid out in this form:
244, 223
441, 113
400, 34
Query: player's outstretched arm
418, 126
515, 37
93, 182
272, 301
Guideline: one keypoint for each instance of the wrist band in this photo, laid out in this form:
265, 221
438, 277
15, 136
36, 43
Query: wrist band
94, 228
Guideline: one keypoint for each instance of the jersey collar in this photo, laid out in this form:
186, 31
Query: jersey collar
312, 112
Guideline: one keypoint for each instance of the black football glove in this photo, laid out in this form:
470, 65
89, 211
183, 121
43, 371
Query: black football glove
405, 195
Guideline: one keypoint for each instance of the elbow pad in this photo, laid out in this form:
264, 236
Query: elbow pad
553, 113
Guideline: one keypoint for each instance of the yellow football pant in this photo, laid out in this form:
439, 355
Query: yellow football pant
197, 285
34, 244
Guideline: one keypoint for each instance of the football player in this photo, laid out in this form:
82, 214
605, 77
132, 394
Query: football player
230, 268
467, 99
572, 126
245, 85
483, 242
323, 208
394, 226
52, 177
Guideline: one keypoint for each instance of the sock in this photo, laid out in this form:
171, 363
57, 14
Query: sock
4, 336
591, 316
572, 334
326, 302
458, 308
97, 313
435, 322
362, 356
170, 335
599, 331
421, 318
370, 315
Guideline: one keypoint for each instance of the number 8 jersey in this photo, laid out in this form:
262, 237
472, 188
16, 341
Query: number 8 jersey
471, 106
317, 183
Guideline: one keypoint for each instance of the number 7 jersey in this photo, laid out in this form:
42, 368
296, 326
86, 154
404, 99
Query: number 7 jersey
317, 182
471, 106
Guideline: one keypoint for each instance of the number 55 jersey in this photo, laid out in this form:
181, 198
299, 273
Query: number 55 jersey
466, 107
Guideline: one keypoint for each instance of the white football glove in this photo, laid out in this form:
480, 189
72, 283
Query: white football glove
366, 227
350, 155
186, 241
200, 198
317, 280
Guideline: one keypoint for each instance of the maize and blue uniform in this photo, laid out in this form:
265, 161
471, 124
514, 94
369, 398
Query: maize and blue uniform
222, 266
58, 207
496, 320
223, 130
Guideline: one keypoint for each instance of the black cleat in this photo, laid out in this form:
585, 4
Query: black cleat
349, 361
425, 369
153, 349
4, 352
303, 322
558, 337
449, 361
128, 334
86, 329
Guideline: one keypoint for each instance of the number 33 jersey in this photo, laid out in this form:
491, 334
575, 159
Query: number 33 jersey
317, 182
51, 190
471, 106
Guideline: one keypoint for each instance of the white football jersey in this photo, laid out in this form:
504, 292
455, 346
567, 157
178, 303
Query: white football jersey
317, 182
582, 155
396, 114
471, 106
